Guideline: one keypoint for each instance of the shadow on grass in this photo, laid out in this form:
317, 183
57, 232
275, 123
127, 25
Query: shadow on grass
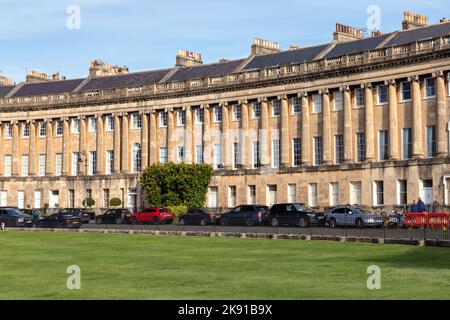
416, 257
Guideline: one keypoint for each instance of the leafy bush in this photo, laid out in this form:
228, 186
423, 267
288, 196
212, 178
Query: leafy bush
173, 185
178, 211
88, 202
115, 202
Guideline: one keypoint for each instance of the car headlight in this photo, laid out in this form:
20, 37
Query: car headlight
20, 220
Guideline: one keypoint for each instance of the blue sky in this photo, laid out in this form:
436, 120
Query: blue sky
146, 34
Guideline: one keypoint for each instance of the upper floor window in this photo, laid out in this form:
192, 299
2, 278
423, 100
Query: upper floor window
276, 108
237, 112
136, 121
109, 123
382, 94
430, 88
92, 124
9, 131
163, 120
360, 97
26, 130
199, 116
59, 128
256, 109
406, 93
383, 145
136, 158
338, 99
42, 129
75, 125
181, 117
217, 114
296, 105
317, 103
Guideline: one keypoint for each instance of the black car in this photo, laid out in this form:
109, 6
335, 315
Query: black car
35, 214
248, 215
115, 216
198, 217
294, 214
86, 215
13, 217
60, 220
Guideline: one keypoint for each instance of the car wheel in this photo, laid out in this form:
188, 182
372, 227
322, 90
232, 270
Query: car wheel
156, 221
203, 222
224, 222
359, 223
182, 222
118, 221
275, 223
303, 223
333, 223
250, 222
133, 222
99, 221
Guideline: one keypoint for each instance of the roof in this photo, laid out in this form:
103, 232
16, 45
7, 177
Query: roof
342, 49
51, 87
136, 79
4, 90
420, 34
204, 71
285, 57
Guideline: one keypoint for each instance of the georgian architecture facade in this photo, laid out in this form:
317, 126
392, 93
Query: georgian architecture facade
359, 120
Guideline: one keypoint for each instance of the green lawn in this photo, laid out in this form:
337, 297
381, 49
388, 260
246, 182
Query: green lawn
33, 266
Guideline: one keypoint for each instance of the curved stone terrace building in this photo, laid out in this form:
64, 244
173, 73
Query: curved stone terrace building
361, 120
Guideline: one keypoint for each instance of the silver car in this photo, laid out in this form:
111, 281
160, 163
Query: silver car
353, 216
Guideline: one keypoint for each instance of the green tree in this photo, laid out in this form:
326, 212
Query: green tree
88, 202
169, 185
115, 202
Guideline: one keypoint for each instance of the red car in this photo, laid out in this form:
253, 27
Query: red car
155, 216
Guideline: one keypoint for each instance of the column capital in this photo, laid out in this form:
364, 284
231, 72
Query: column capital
344, 88
282, 97
303, 94
324, 91
243, 101
437, 74
413, 78
48, 120
262, 99
390, 81
81, 117
367, 85
64, 118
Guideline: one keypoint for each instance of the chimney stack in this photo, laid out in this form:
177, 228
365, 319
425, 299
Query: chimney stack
294, 47
414, 20
377, 33
55, 76
34, 76
444, 20
261, 46
101, 69
5, 81
346, 33
188, 59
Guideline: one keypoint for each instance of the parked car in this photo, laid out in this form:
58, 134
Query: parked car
13, 217
116, 216
35, 214
353, 216
60, 220
198, 217
155, 216
249, 215
86, 215
294, 214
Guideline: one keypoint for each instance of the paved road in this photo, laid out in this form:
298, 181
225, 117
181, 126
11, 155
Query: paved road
372, 232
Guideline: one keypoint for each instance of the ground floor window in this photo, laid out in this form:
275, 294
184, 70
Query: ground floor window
252, 194
334, 194
379, 193
232, 196
402, 192
312, 195
213, 197
292, 193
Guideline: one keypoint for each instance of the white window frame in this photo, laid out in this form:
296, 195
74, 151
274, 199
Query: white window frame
92, 163
181, 118
109, 162
357, 92
21, 199
136, 121
379, 102
276, 153
426, 96
58, 164
217, 114
163, 155
292, 193
313, 190
7, 171
217, 156
199, 154
3, 198
402, 92
256, 110
399, 192
26, 130
338, 101
335, 195
252, 191
9, 131
163, 119
317, 103
75, 126
376, 184
296, 103
237, 112
276, 105
232, 196
92, 124
24, 165
110, 123
37, 199
199, 116
42, 164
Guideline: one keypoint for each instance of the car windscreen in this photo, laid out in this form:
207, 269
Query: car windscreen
165, 210
14, 213
302, 207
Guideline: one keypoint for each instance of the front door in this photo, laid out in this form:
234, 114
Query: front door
356, 197
54, 199
427, 192
272, 195
132, 199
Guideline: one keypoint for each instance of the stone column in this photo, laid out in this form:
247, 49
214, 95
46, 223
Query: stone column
348, 129
49, 168
153, 138
285, 143
246, 136
15, 149
370, 142
442, 140
170, 136
264, 133
417, 118
326, 131
393, 121
85, 156
32, 155
188, 152
124, 145
100, 149
306, 137
117, 143
145, 141
226, 143
66, 146
207, 150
